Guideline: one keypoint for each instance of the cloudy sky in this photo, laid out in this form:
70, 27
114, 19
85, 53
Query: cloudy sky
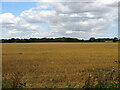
78, 19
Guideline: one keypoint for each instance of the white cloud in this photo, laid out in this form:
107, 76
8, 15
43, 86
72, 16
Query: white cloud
14, 31
74, 19
13, 26
7, 18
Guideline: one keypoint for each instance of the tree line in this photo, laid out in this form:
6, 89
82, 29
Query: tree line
61, 39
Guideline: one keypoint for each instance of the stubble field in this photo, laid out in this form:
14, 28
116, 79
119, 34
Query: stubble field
62, 65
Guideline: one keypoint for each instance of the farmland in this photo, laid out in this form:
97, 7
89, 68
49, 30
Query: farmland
60, 65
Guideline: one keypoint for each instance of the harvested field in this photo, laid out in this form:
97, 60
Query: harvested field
62, 65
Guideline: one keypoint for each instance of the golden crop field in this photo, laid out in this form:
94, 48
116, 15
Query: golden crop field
59, 65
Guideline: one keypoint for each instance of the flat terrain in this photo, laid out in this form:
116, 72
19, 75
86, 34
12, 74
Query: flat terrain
57, 64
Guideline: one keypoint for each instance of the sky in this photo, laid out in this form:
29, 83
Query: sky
78, 19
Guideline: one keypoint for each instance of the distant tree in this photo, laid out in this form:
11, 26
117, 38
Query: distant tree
92, 39
60, 39
115, 39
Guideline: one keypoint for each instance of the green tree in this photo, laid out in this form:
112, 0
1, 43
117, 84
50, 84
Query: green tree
92, 39
115, 39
